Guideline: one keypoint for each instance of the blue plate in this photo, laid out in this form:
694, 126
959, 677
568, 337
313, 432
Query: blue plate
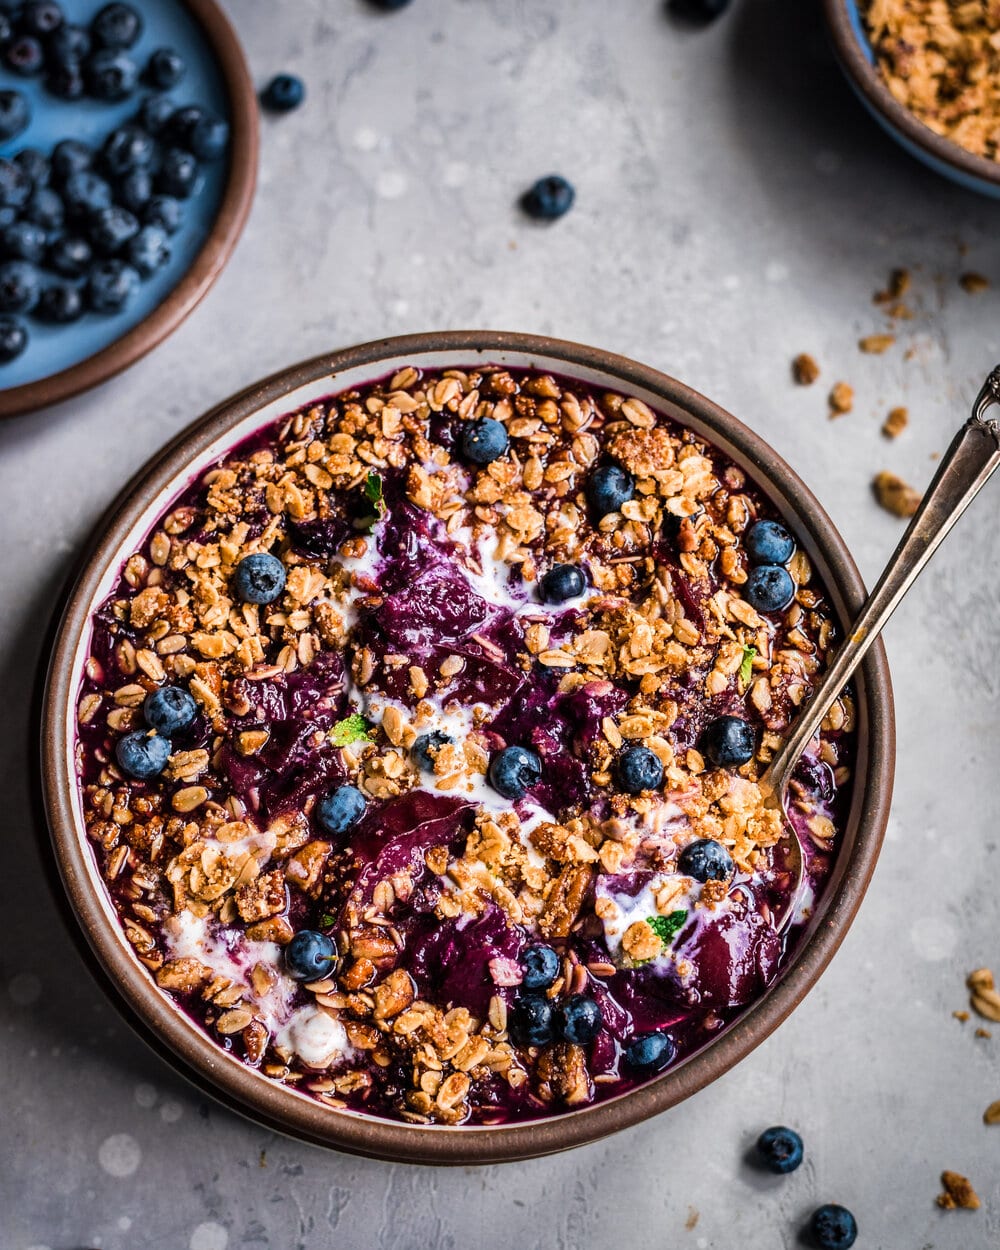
172, 23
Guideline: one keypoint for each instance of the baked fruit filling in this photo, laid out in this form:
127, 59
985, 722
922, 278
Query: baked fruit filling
419, 746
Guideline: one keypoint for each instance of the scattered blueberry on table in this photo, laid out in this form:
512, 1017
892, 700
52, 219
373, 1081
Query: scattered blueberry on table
833, 1227
283, 93
549, 198
780, 1149
699, 11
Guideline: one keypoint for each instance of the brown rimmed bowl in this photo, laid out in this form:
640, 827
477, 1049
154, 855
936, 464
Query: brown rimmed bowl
211, 231
122, 531
857, 59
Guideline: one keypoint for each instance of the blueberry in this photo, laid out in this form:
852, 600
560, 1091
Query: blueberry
70, 157
650, 1052
540, 966
135, 190
110, 75
310, 956
13, 339
110, 285
390, 6
767, 542
699, 11
549, 198
562, 582
111, 228
283, 93
68, 45
833, 1227
6, 29
769, 588
45, 209
35, 165
60, 304
154, 113
610, 486
178, 173
19, 286
15, 185
705, 860
66, 81
638, 769
165, 68
24, 56
148, 251
182, 121
15, 114
579, 1019
531, 1021
169, 710
259, 578
142, 755
426, 747
514, 770
70, 256
41, 17
339, 809
729, 742
117, 26
780, 1149
128, 147
8, 215
484, 440
208, 137
86, 193
163, 211
24, 240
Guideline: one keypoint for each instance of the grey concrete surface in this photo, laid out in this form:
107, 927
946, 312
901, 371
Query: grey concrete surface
735, 207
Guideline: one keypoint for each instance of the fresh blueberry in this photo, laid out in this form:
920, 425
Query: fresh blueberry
148, 251
117, 26
426, 747
13, 339
729, 742
128, 147
339, 809
833, 1227
24, 56
66, 81
142, 755
539, 966
60, 304
35, 165
514, 770
178, 173
638, 769
549, 198
700, 12
769, 588
24, 240
70, 256
780, 1149
181, 122
705, 860
110, 75
135, 190
70, 157
15, 114
6, 29
259, 578
111, 228
610, 486
531, 1021
650, 1052
85, 194
15, 185
579, 1019
484, 440
169, 710
164, 211
45, 209
283, 93
41, 18
110, 285
154, 113
165, 68
69, 45
390, 6
208, 137
8, 215
19, 286
562, 582
767, 542
310, 956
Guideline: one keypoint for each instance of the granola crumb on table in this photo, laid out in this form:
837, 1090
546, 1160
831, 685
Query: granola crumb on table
957, 1193
805, 370
894, 495
896, 422
841, 399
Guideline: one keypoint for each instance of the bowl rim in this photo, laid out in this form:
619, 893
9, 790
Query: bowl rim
267, 1102
211, 258
877, 95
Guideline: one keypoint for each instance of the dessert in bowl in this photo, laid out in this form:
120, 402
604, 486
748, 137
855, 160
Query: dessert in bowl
404, 737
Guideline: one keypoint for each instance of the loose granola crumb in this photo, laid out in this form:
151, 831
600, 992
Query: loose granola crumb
963, 1016
983, 1033
896, 422
983, 996
876, 344
974, 283
895, 495
898, 285
992, 1113
841, 399
957, 1193
805, 370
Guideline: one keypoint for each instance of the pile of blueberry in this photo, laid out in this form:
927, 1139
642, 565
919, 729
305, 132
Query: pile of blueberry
831, 1227
99, 221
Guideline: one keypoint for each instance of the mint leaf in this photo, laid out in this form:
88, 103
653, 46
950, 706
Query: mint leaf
665, 927
326, 920
373, 492
746, 665
353, 728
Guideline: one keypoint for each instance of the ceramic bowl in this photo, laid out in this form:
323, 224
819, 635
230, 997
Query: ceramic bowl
857, 58
156, 1015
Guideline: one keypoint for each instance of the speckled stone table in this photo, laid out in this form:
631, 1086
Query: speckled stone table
735, 207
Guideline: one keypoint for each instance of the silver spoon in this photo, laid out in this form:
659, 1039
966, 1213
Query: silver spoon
967, 466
